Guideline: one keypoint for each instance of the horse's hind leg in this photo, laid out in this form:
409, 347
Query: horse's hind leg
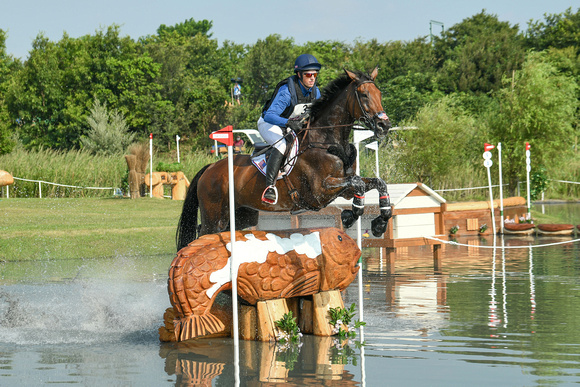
348, 217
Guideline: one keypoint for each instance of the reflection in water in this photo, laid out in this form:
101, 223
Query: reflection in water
203, 362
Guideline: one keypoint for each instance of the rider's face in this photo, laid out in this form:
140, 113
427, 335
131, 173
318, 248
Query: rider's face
308, 78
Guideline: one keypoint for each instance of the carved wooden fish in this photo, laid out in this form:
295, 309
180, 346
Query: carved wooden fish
271, 264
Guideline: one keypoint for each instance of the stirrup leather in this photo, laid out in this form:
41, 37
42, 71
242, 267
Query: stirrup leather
267, 199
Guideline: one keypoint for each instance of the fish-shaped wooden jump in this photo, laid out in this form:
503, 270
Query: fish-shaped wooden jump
270, 265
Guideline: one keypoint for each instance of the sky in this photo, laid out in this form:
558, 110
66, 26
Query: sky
247, 21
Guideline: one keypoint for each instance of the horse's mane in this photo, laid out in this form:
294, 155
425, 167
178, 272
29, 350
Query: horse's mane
333, 89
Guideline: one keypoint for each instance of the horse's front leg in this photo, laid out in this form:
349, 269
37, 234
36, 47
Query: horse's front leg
351, 186
380, 223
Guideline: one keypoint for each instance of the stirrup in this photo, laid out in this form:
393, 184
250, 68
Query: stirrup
269, 200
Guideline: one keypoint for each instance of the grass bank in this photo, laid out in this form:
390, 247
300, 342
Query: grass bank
81, 228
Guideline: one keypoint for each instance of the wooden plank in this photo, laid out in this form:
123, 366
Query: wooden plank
406, 211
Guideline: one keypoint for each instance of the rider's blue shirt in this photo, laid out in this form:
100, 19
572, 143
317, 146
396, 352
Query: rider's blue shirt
281, 101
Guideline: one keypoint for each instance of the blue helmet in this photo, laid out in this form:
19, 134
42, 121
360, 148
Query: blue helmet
306, 62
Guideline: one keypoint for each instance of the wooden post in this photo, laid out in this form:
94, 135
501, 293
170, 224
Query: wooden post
390, 254
306, 319
323, 301
248, 322
437, 258
269, 312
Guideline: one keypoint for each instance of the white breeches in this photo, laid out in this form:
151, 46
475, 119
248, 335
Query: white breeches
272, 134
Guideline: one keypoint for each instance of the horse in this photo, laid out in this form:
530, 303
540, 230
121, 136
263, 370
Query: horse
324, 168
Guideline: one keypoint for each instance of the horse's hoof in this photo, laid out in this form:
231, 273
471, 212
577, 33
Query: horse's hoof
348, 218
379, 226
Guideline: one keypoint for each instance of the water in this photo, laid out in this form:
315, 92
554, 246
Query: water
505, 318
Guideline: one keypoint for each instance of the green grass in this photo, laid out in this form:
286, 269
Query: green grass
58, 229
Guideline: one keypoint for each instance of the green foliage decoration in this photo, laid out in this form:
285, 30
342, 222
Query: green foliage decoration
288, 329
340, 317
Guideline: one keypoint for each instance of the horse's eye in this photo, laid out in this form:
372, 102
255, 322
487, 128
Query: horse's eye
340, 238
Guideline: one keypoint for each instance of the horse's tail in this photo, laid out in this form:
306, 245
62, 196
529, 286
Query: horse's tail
187, 227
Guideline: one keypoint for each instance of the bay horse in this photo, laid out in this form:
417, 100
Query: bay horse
324, 168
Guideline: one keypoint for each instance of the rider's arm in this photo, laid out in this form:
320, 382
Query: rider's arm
279, 104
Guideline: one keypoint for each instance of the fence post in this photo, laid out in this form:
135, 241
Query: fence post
39, 190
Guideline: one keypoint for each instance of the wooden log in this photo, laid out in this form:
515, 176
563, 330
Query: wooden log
305, 321
269, 312
323, 302
248, 322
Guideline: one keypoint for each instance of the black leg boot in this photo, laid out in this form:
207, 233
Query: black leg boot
270, 194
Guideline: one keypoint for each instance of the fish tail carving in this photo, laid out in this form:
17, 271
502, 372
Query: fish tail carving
193, 326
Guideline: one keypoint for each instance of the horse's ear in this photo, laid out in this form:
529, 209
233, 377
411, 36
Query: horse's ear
351, 75
374, 73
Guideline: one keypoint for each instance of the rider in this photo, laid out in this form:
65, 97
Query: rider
297, 89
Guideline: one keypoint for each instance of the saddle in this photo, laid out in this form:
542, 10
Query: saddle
260, 157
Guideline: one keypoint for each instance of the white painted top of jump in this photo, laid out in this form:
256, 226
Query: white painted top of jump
398, 193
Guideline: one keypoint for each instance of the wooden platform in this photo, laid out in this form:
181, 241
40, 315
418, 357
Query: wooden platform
419, 214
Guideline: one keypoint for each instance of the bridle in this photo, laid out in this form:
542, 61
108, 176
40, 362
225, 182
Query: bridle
366, 117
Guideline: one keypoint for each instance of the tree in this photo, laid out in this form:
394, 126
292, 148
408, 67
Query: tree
7, 66
537, 105
109, 134
444, 139
477, 53
267, 63
557, 30
188, 28
52, 94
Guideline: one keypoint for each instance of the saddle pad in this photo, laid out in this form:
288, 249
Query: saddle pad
260, 161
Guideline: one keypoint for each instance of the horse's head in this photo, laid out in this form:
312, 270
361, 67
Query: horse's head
367, 104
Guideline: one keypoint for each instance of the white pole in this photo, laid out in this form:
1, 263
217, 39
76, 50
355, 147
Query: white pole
233, 265
150, 165
359, 243
491, 203
487, 163
39, 190
500, 189
528, 169
177, 141
7, 192
377, 162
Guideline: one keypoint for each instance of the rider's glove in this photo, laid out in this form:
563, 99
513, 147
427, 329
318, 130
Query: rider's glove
294, 123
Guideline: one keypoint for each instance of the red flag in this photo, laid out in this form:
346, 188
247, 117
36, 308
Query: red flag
224, 135
487, 147
528, 146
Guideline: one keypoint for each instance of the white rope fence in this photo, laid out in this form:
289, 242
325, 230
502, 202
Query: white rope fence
40, 182
502, 247
466, 189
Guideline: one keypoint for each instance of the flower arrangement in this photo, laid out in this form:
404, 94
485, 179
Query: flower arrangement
454, 229
342, 316
288, 329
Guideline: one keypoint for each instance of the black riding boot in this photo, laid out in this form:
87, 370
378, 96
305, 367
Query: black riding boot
270, 194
